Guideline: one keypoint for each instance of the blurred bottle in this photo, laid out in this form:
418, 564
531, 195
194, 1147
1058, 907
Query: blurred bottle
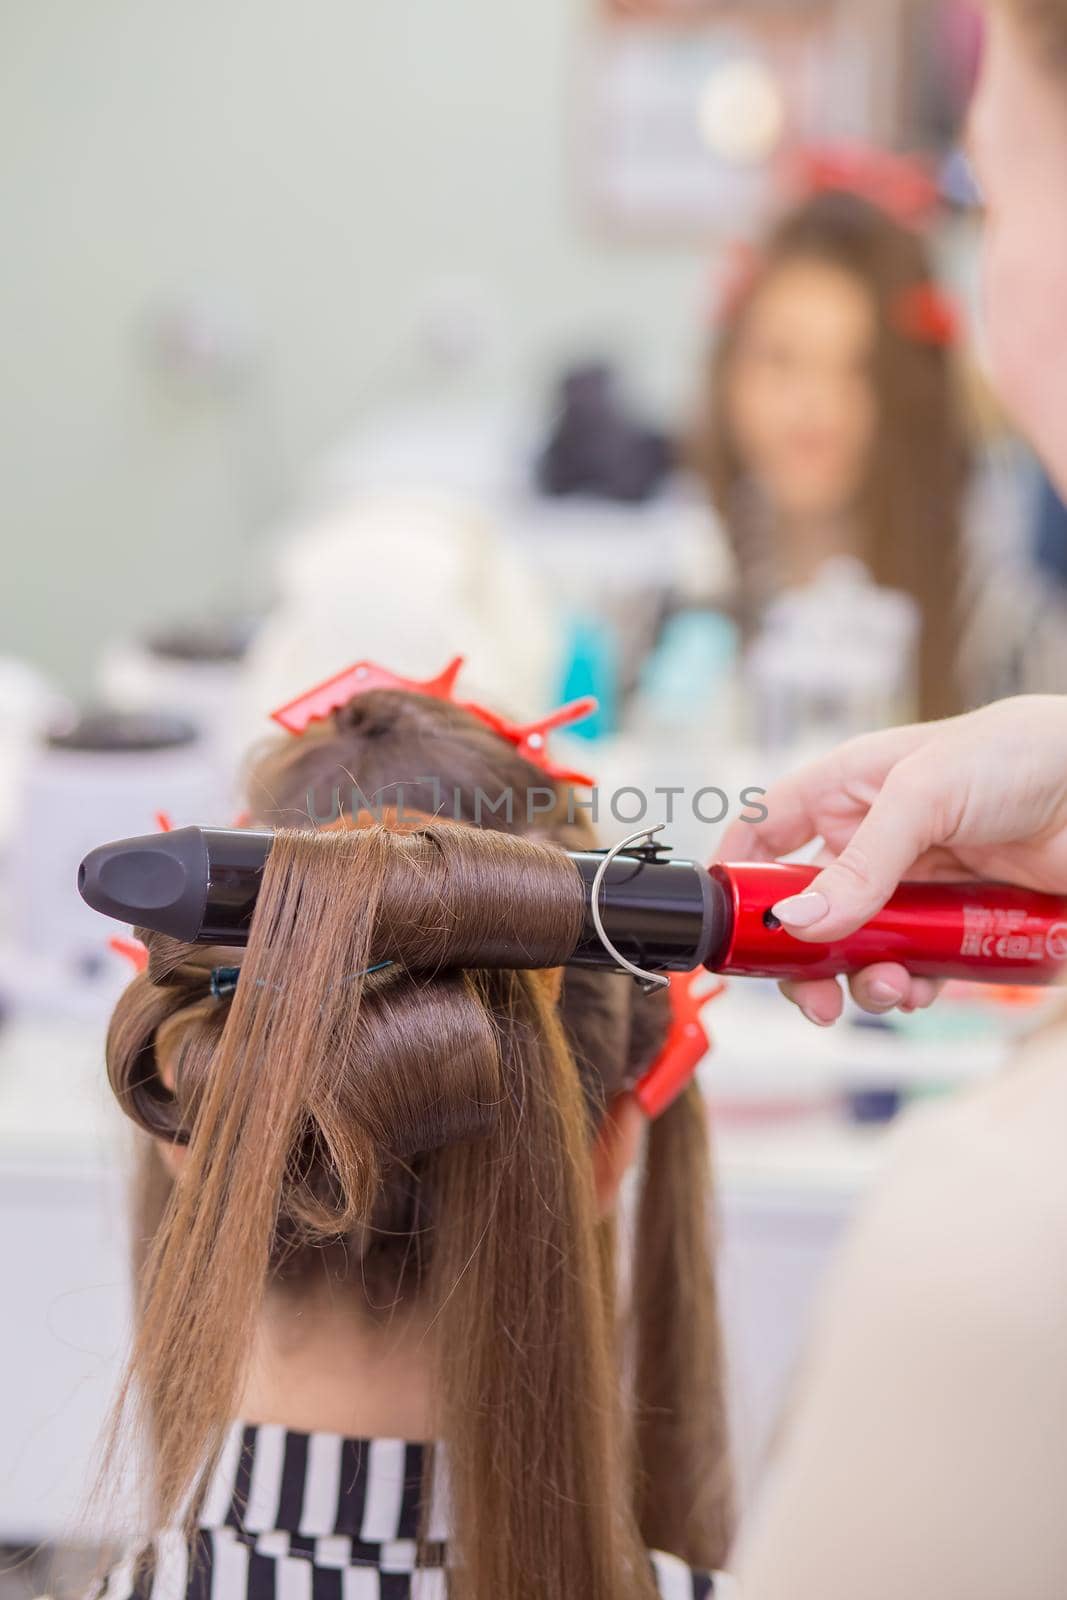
592, 668
683, 727
687, 683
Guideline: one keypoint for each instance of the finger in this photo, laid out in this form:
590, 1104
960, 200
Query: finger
789, 825
897, 830
923, 993
872, 989
882, 987
800, 806
820, 999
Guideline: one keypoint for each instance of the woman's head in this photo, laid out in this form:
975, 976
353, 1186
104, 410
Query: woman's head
798, 391
834, 425
425, 1129
1019, 140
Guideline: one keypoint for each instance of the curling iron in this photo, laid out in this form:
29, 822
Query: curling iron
646, 913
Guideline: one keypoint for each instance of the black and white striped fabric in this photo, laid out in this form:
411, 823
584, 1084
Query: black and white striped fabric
298, 1516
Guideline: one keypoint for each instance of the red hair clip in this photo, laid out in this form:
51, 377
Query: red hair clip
926, 315
686, 1046
326, 698
530, 739
132, 950
901, 186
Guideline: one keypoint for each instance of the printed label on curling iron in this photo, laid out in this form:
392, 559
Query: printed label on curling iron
1003, 935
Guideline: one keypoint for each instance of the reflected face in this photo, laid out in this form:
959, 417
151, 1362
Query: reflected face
1019, 146
800, 390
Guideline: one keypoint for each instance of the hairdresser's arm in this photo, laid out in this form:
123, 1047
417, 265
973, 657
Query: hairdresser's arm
924, 1453
982, 795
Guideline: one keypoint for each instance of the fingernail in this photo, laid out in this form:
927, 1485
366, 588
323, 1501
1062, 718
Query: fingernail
820, 1022
887, 994
802, 910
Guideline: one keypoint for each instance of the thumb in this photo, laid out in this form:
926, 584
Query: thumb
892, 836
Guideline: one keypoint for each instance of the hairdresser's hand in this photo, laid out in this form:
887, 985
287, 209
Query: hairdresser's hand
982, 795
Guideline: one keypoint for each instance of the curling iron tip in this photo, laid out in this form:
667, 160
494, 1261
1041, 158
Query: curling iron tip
157, 880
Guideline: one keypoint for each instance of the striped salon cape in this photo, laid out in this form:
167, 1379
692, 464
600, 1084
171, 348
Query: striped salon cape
298, 1516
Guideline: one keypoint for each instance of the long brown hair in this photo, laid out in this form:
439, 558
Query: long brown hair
910, 510
1046, 23
427, 1126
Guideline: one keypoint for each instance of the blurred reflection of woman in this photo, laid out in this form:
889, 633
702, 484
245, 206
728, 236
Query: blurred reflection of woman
834, 425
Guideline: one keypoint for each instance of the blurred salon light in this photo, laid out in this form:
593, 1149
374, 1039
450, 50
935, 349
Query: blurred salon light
742, 112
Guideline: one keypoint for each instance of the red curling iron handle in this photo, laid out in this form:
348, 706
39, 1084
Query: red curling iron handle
984, 932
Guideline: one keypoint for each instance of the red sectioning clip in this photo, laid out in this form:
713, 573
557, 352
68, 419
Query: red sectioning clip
530, 739
328, 697
132, 949
900, 185
926, 315
687, 1044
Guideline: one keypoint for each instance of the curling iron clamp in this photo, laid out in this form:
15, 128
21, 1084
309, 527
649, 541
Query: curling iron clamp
646, 913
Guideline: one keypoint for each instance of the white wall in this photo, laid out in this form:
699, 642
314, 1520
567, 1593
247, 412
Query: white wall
316, 169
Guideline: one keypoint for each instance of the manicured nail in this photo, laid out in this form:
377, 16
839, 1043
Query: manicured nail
802, 910
886, 994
